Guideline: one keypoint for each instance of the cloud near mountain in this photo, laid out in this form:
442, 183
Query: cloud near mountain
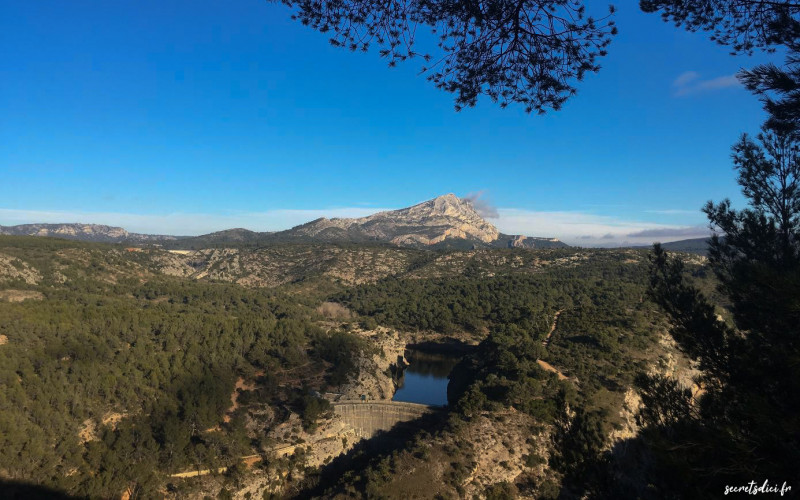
584, 229
673, 232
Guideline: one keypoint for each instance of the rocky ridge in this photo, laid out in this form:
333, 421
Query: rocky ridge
426, 223
443, 222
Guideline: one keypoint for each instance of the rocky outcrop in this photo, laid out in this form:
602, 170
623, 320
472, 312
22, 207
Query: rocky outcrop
376, 371
13, 269
520, 241
278, 265
670, 363
501, 444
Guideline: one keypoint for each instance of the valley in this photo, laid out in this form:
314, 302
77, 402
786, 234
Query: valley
241, 362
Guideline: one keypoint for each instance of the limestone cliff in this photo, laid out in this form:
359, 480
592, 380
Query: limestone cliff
375, 379
427, 223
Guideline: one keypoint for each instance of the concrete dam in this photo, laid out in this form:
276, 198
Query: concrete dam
369, 418
362, 419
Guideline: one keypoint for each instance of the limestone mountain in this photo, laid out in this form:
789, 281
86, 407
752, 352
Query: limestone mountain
426, 223
520, 241
445, 222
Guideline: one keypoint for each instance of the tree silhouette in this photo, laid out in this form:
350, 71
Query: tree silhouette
743, 25
778, 88
528, 52
746, 25
746, 423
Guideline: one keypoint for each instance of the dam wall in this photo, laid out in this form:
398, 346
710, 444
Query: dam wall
369, 418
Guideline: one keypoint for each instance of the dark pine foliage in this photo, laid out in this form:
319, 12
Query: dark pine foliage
747, 423
528, 52
743, 25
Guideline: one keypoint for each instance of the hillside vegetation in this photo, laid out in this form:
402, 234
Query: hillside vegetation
119, 364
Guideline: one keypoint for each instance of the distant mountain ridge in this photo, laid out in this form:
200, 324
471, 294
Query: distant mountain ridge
694, 245
443, 222
446, 221
86, 232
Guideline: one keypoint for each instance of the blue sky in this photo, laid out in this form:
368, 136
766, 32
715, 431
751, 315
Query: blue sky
186, 117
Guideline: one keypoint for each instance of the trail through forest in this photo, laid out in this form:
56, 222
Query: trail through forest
544, 364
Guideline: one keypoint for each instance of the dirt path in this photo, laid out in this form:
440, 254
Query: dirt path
244, 385
552, 328
544, 364
249, 460
547, 366
195, 473
240, 384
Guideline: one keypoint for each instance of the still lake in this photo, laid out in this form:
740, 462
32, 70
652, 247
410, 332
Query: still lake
425, 380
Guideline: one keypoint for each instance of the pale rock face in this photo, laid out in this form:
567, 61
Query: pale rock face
12, 268
427, 223
520, 241
374, 380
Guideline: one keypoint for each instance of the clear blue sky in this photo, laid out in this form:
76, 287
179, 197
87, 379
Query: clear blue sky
190, 116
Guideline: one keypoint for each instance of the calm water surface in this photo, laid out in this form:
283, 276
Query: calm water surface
425, 380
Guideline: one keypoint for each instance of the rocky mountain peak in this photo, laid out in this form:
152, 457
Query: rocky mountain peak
445, 221
445, 205
427, 223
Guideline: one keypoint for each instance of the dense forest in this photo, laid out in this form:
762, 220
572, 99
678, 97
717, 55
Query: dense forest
110, 380
114, 374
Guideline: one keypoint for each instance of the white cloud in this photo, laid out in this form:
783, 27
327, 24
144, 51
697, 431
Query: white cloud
673, 211
690, 83
685, 78
585, 229
577, 228
673, 232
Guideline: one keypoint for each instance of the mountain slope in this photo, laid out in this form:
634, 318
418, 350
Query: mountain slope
426, 223
443, 222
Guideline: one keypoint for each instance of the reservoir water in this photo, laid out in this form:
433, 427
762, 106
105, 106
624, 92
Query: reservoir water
425, 379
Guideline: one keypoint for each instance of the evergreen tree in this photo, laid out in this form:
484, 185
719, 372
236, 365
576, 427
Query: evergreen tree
747, 423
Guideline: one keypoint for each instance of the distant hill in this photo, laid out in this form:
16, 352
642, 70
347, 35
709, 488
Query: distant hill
694, 245
445, 222
84, 232
228, 238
